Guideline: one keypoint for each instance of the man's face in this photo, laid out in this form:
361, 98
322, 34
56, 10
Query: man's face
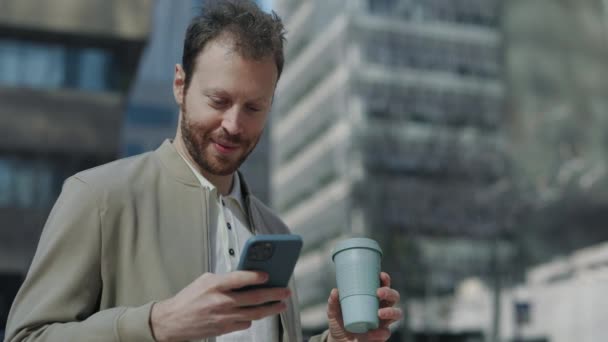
224, 109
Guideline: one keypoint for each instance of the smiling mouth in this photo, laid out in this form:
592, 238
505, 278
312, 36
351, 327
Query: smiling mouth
225, 149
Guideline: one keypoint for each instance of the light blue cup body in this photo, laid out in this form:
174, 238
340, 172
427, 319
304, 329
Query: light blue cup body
357, 262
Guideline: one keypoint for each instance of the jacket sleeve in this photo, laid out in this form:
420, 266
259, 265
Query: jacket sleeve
59, 298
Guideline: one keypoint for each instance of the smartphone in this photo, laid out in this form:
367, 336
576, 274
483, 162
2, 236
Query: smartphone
275, 254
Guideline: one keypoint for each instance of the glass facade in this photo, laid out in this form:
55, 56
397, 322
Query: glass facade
469, 138
428, 53
55, 66
31, 180
63, 81
153, 115
473, 12
27, 183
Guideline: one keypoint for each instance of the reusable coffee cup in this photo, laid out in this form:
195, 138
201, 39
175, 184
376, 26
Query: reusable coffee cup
357, 262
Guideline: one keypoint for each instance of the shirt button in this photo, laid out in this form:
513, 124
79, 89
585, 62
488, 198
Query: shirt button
231, 251
229, 226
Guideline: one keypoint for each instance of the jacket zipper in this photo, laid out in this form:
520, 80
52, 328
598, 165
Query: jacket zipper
208, 246
282, 315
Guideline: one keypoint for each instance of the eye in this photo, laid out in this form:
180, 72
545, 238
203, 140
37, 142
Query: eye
253, 108
218, 101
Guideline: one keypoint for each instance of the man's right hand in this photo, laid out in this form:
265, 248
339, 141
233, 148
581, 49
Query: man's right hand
210, 307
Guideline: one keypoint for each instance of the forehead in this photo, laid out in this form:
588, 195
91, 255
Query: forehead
220, 65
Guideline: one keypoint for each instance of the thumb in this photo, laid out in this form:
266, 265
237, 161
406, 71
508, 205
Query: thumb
333, 304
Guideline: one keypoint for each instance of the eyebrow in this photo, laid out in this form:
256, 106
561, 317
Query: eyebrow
215, 91
222, 92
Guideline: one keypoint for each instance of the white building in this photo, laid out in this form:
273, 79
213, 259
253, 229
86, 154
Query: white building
561, 301
567, 299
385, 122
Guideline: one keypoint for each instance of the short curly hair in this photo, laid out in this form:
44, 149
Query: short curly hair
256, 34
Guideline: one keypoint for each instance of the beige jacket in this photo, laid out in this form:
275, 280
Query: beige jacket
120, 237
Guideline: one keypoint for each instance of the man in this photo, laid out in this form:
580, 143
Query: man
145, 248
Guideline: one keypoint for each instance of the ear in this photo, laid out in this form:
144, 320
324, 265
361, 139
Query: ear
179, 84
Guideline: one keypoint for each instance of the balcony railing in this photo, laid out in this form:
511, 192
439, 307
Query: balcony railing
304, 173
430, 151
309, 117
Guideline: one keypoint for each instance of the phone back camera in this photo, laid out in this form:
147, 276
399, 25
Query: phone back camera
261, 251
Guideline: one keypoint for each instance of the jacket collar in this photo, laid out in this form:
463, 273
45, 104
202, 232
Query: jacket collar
176, 165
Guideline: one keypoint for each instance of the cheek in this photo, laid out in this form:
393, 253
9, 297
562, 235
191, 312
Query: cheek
256, 125
201, 116
254, 130
194, 106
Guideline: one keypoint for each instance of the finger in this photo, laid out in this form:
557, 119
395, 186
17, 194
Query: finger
333, 304
260, 296
388, 296
385, 279
237, 279
253, 313
390, 315
381, 334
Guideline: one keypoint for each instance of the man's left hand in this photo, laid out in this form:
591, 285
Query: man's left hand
387, 314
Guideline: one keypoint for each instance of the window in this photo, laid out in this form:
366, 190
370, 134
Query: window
150, 115
53, 66
477, 12
5, 183
92, 69
28, 182
26, 64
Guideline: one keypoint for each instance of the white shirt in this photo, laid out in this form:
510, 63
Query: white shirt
228, 232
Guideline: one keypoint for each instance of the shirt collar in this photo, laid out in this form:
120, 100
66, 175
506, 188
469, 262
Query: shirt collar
235, 192
204, 182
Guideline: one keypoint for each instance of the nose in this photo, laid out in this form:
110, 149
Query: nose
231, 121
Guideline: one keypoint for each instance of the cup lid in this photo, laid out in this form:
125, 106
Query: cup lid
356, 243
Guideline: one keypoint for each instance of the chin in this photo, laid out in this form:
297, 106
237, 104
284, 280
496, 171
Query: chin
223, 169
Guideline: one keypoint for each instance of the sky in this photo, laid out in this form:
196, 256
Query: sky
265, 4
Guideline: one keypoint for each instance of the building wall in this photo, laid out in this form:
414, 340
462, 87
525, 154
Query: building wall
566, 298
556, 123
387, 124
559, 301
63, 81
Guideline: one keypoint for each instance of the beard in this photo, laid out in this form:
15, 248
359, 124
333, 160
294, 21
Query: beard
199, 141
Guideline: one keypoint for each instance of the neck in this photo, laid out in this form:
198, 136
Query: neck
222, 183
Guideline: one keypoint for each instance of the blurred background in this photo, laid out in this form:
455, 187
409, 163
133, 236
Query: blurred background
468, 137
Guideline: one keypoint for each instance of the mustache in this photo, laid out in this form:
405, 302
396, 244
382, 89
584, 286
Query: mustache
224, 136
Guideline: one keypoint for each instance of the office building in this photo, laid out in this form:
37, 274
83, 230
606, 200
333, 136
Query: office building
387, 124
65, 67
